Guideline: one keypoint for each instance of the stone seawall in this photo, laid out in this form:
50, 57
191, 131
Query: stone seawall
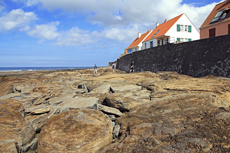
197, 58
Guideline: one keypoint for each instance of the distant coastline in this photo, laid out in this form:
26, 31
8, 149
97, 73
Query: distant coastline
18, 69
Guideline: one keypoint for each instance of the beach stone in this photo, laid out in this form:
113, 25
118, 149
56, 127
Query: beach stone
8, 146
80, 102
81, 130
31, 146
54, 101
112, 117
126, 88
104, 88
40, 111
116, 102
108, 110
116, 131
37, 121
12, 124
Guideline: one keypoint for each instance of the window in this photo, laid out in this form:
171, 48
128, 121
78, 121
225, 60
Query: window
178, 27
162, 42
145, 46
189, 39
151, 44
178, 39
185, 39
155, 34
166, 40
181, 28
223, 16
212, 32
182, 39
185, 28
229, 29
158, 42
189, 28
218, 14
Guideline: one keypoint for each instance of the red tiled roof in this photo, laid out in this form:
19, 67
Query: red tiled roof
217, 8
164, 27
137, 41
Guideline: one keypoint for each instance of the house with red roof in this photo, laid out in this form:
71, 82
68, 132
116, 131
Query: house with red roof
218, 21
178, 29
136, 45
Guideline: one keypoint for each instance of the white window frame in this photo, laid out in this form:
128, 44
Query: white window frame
181, 27
186, 28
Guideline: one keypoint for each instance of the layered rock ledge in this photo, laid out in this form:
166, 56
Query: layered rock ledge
76, 111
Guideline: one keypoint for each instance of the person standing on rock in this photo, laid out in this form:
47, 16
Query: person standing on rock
132, 67
113, 67
95, 69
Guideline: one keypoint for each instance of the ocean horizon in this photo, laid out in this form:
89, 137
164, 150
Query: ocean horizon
8, 69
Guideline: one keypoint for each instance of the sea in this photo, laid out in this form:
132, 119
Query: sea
8, 69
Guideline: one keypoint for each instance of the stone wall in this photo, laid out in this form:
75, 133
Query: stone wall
197, 58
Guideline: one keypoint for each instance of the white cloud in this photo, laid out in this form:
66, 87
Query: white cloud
1, 8
75, 37
2, 4
121, 34
15, 19
26, 28
44, 31
121, 19
119, 13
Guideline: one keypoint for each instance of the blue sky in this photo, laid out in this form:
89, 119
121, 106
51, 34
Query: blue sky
72, 33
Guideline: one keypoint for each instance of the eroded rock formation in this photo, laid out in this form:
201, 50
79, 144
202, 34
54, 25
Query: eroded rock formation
76, 111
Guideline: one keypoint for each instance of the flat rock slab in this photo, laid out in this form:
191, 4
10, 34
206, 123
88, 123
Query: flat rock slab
117, 102
104, 88
81, 130
79, 102
108, 110
126, 88
40, 111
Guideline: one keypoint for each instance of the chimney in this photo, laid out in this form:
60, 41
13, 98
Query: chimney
139, 34
157, 24
165, 20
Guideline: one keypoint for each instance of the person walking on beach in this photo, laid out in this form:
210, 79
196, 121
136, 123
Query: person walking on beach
132, 67
95, 69
113, 67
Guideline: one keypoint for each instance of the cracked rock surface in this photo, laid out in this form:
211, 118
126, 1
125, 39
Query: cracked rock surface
76, 111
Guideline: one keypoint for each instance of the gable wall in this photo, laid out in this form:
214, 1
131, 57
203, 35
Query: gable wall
194, 35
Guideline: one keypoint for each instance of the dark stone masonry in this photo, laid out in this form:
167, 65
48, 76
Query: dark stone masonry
197, 58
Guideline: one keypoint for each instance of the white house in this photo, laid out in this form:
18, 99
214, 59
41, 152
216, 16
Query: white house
137, 43
178, 29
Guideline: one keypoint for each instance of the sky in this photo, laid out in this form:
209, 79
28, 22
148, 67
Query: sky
74, 33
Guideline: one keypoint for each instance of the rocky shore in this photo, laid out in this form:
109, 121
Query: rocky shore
70, 111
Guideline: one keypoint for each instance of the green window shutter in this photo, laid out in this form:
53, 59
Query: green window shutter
189, 28
189, 39
178, 27
178, 39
